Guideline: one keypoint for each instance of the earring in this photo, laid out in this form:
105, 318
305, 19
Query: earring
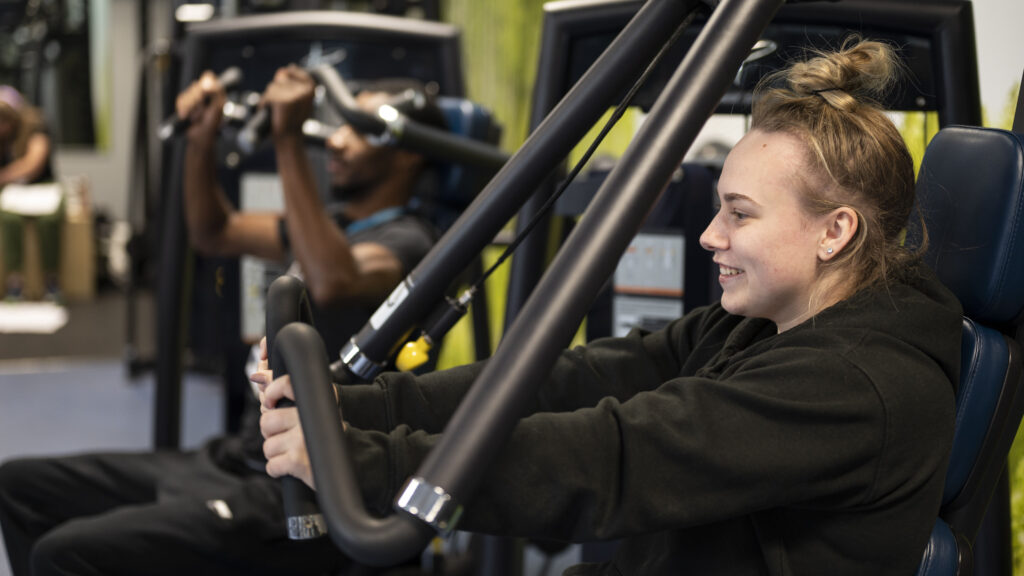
829, 250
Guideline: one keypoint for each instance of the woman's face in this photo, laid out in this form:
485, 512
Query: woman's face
765, 245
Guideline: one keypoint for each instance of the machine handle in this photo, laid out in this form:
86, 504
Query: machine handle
369, 540
287, 302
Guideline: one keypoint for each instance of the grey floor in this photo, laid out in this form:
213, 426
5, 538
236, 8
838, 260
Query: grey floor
70, 392
68, 405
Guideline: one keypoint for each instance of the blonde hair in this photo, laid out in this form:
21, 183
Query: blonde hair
858, 158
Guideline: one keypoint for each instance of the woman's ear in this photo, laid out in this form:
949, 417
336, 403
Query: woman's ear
840, 227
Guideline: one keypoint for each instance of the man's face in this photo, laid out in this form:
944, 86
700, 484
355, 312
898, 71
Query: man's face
355, 166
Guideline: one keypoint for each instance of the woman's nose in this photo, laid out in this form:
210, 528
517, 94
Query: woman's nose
712, 239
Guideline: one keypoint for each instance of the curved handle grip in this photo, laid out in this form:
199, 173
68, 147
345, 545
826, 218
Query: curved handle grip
369, 540
287, 302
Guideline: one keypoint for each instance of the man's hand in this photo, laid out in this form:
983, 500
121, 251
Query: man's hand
290, 98
203, 104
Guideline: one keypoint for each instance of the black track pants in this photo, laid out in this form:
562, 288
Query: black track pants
153, 513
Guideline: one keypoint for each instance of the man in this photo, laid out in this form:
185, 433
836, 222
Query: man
214, 511
373, 184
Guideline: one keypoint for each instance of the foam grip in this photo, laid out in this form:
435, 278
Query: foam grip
287, 302
175, 126
302, 513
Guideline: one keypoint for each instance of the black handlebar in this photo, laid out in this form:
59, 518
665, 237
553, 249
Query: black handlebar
175, 126
404, 132
288, 302
369, 540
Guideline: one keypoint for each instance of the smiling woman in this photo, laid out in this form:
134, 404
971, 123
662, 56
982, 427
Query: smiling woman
767, 247
815, 197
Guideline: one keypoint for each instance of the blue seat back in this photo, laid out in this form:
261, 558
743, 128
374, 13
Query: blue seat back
458, 184
970, 191
971, 197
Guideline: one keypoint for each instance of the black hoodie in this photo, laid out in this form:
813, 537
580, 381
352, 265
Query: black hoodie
713, 446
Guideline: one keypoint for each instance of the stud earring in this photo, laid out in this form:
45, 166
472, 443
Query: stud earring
829, 250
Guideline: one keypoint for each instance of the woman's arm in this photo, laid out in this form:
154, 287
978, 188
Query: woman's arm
610, 367
693, 451
31, 164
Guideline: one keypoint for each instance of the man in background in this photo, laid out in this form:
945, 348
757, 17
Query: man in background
215, 511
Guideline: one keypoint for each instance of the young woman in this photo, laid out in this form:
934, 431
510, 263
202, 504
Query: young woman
800, 426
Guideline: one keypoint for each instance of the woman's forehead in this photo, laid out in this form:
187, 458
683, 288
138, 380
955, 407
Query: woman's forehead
763, 161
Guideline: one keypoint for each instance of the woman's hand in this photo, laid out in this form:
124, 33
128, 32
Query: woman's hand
263, 375
284, 444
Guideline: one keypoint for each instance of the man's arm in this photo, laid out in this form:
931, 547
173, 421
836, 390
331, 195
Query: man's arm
335, 270
214, 226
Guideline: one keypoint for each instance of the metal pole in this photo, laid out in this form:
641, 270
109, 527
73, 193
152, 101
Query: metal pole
621, 63
173, 285
503, 390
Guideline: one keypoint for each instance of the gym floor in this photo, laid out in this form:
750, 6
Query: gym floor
71, 392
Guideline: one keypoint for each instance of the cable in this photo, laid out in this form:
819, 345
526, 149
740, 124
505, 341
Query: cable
416, 353
619, 111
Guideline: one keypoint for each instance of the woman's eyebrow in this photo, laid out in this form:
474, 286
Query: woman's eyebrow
735, 197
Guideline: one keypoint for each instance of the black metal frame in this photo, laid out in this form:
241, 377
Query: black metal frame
617, 68
491, 408
174, 272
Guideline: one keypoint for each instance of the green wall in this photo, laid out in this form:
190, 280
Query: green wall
500, 44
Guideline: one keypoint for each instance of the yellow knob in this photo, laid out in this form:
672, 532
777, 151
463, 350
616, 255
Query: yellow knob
413, 355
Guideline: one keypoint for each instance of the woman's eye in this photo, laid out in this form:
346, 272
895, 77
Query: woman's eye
738, 215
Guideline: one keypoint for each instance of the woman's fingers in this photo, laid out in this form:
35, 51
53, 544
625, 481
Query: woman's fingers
278, 421
276, 390
285, 446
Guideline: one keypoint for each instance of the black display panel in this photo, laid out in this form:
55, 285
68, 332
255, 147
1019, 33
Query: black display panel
361, 46
935, 39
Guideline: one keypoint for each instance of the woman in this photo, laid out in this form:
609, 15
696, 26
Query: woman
800, 426
25, 158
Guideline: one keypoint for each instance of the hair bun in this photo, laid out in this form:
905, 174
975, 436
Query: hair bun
860, 71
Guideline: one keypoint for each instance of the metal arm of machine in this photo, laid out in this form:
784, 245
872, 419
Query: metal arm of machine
367, 352
402, 132
451, 472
